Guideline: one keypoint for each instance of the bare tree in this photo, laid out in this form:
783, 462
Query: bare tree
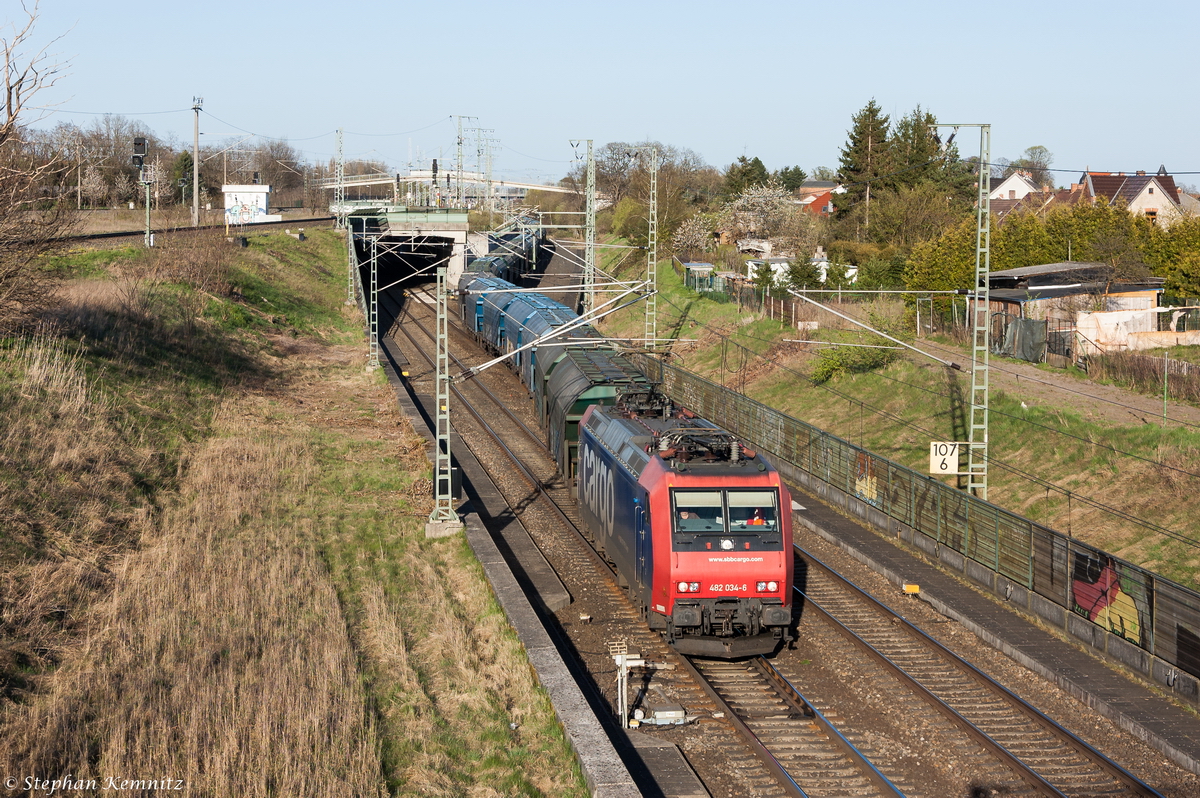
30, 222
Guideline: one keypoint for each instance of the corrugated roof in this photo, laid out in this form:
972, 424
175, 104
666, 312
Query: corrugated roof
1048, 268
1023, 295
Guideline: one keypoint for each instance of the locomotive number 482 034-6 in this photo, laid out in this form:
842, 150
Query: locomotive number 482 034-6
729, 588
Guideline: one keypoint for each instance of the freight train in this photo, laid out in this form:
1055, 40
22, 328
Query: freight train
697, 525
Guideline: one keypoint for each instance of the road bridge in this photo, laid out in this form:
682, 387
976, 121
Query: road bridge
425, 177
407, 244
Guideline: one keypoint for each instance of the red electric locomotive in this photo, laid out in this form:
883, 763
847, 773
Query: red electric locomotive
697, 525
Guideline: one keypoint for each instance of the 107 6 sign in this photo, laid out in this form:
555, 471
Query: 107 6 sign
943, 457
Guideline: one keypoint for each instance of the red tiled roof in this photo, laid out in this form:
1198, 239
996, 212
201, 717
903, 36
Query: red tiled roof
1036, 202
1128, 187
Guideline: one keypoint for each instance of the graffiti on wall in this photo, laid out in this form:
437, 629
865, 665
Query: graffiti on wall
866, 484
1103, 595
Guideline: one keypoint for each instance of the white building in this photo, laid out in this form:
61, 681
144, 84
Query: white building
248, 204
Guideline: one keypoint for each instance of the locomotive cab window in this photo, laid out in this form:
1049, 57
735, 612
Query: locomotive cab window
725, 520
697, 512
752, 508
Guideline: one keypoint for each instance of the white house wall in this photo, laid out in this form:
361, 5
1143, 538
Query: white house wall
1165, 206
1018, 185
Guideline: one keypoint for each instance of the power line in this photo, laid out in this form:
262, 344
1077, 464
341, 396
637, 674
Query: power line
905, 423
403, 132
54, 111
1064, 433
261, 135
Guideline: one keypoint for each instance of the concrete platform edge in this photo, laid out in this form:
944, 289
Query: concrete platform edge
602, 768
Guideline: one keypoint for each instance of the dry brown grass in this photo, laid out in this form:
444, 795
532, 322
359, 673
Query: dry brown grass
213, 566
285, 628
221, 657
448, 677
69, 499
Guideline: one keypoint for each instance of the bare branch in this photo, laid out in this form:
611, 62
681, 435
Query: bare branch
25, 75
32, 217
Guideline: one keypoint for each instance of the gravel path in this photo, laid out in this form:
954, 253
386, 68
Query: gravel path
1095, 401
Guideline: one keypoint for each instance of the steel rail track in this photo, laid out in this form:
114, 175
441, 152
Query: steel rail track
796, 732
809, 756
544, 484
140, 234
1047, 757
1019, 735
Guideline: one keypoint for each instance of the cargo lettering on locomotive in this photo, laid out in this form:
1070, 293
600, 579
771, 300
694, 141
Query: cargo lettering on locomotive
598, 490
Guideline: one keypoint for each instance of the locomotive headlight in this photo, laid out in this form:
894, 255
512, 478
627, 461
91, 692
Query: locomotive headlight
683, 587
726, 544
689, 587
768, 587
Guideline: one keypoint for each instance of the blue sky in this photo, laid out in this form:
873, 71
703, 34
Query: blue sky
1105, 85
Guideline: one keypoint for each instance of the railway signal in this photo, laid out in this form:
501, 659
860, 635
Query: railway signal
139, 160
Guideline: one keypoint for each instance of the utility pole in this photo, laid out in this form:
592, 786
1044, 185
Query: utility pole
373, 321
870, 179
977, 449
460, 193
458, 168
139, 160
197, 102
650, 332
491, 202
443, 520
651, 327
339, 189
589, 251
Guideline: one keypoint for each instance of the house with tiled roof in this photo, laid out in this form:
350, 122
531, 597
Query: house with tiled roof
1014, 187
817, 204
1037, 201
1154, 196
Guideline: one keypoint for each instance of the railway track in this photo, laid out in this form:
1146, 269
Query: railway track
1010, 746
775, 723
137, 235
1042, 757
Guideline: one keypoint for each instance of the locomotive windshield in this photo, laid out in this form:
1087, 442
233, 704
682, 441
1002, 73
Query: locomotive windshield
726, 520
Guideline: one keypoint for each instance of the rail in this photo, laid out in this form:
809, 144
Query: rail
1029, 714
139, 235
1030, 564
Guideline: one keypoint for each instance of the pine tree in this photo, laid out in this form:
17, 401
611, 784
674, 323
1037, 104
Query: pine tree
865, 158
743, 174
181, 169
791, 177
916, 154
801, 274
764, 279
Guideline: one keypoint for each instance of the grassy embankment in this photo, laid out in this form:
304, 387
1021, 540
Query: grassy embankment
853, 407
215, 568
